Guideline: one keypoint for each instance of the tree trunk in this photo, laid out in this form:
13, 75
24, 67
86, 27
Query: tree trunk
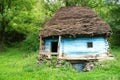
2, 33
1, 42
3, 24
67, 4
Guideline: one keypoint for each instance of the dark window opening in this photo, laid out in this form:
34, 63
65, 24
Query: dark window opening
89, 44
54, 46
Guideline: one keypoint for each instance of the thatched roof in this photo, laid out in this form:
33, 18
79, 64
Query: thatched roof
75, 21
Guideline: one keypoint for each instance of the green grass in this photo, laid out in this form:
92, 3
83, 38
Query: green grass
21, 65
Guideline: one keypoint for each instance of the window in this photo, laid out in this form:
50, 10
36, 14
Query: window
89, 44
54, 46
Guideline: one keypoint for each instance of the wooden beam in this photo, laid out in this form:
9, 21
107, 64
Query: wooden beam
42, 45
59, 45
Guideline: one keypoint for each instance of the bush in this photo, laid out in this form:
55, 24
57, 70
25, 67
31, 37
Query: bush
31, 43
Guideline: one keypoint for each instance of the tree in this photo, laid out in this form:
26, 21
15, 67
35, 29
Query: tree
114, 21
4, 6
9, 10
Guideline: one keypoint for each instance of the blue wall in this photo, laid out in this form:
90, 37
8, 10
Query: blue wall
79, 45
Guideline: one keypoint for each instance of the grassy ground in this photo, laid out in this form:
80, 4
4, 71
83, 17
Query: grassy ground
20, 65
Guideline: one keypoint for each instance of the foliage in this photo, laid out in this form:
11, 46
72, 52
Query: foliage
114, 21
31, 43
15, 17
53, 63
27, 17
21, 65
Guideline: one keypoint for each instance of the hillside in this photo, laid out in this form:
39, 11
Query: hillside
20, 65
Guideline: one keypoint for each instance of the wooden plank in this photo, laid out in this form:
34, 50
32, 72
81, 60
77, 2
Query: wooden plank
51, 53
84, 59
87, 57
79, 57
54, 54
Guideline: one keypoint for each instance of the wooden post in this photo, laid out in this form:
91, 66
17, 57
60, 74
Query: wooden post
59, 45
59, 52
40, 44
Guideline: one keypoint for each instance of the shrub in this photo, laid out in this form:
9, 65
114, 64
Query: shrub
31, 43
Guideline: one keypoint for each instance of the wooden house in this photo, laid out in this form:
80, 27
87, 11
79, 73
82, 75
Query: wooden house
75, 33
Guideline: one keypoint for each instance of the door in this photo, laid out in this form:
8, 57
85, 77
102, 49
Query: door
54, 46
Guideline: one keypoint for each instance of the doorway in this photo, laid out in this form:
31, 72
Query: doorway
54, 46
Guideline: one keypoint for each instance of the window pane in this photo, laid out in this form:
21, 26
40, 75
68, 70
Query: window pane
89, 44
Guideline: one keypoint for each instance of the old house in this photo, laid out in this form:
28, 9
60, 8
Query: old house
75, 33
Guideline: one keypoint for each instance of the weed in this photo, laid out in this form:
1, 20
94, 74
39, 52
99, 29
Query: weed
14, 65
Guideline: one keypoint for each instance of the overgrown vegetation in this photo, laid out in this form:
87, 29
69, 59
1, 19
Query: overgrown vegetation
21, 65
